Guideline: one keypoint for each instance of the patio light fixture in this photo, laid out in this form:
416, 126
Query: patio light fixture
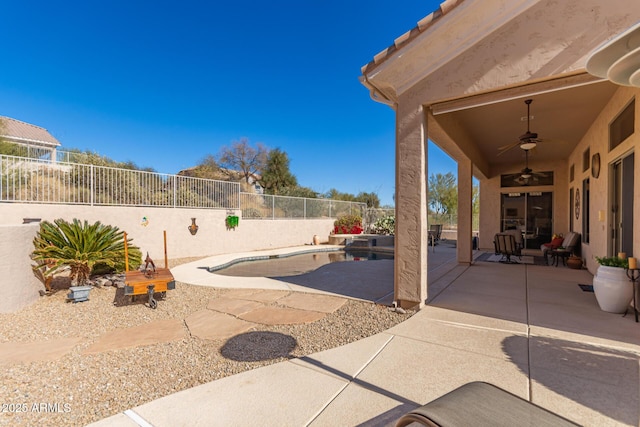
528, 145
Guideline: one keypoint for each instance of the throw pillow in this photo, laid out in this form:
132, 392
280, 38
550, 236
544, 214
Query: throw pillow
555, 243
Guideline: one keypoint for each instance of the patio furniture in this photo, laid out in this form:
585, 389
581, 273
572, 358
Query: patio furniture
569, 243
436, 229
519, 238
505, 245
558, 254
481, 404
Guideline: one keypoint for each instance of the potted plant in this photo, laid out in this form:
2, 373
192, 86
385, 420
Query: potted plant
574, 262
612, 287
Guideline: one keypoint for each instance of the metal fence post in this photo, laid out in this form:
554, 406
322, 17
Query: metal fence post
92, 185
175, 190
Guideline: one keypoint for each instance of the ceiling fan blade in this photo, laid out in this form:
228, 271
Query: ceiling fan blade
505, 148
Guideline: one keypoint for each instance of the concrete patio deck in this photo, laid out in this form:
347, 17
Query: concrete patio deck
528, 329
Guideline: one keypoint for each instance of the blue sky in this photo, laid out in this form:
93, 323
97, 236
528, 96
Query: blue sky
163, 84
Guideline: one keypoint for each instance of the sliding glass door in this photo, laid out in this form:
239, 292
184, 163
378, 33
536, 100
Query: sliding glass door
531, 213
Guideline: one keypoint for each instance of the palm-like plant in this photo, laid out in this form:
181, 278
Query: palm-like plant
82, 247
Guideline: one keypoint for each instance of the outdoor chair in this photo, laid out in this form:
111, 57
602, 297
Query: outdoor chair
570, 243
505, 245
436, 230
481, 404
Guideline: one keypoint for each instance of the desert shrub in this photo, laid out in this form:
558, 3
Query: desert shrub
385, 225
83, 247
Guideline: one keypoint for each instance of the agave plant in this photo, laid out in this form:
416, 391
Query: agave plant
82, 247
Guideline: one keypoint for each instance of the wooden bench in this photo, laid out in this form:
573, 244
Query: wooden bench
482, 404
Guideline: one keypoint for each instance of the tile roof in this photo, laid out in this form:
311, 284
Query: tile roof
17, 131
426, 22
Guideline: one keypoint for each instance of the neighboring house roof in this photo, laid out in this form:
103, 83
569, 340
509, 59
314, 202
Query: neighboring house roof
25, 133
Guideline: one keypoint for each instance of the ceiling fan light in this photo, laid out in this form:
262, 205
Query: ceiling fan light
528, 145
525, 176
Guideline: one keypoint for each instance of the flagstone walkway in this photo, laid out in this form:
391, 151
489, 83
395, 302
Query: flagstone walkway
238, 311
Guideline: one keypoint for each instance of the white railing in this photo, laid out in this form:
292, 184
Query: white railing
265, 206
28, 180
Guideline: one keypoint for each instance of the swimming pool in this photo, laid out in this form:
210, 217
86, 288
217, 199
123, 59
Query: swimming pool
294, 264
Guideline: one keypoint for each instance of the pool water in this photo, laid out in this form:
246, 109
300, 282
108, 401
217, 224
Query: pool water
293, 265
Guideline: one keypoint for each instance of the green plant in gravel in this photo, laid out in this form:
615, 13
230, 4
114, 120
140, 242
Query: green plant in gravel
385, 225
85, 248
611, 261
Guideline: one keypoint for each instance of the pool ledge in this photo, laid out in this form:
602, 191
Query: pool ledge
198, 272
255, 257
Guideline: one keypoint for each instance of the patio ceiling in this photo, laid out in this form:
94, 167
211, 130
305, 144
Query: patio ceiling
560, 118
472, 64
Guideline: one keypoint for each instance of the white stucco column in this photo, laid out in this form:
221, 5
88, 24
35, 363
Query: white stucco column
410, 280
465, 211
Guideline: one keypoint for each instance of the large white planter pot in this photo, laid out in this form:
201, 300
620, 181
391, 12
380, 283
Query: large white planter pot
613, 289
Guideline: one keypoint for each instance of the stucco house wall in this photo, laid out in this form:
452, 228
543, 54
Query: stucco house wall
19, 286
597, 141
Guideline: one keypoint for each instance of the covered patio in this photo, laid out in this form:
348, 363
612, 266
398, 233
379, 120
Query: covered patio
462, 78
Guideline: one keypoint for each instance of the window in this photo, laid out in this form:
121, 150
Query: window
586, 160
516, 179
571, 173
622, 126
571, 199
585, 211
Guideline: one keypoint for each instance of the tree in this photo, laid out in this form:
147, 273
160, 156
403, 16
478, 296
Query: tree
298, 191
337, 195
243, 158
443, 193
207, 169
276, 175
371, 199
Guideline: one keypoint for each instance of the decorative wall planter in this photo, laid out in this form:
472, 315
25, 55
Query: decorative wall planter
613, 289
193, 228
232, 222
79, 293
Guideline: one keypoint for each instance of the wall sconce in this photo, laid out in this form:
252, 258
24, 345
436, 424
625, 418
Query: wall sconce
601, 216
193, 228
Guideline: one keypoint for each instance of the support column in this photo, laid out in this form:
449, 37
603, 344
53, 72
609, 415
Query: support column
410, 276
465, 211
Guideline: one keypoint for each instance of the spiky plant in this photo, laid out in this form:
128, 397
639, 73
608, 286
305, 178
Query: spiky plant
82, 247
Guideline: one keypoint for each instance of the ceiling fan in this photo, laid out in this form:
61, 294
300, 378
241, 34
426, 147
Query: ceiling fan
528, 140
528, 176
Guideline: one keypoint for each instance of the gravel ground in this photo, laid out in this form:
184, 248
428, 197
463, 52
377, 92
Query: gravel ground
87, 388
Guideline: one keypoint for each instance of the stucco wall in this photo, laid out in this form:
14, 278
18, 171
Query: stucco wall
19, 287
212, 237
597, 140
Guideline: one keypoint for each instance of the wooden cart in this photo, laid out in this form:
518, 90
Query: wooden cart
150, 280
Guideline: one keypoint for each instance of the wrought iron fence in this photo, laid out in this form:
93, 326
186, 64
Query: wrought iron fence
38, 181
29, 180
265, 206
450, 221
